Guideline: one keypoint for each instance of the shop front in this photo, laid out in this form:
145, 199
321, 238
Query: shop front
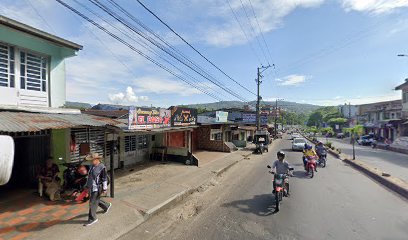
62, 137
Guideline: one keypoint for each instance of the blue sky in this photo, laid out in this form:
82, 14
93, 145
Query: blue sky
325, 52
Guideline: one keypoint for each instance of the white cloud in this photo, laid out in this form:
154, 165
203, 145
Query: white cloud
374, 6
224, 31
292, 80
128, 97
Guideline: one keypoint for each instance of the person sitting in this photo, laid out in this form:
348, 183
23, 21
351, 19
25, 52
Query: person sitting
308, 152
48, 179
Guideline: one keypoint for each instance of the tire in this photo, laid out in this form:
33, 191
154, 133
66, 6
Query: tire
324, 163
277, 202
311, 170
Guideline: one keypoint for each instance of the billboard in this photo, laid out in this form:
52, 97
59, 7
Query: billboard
221, 116
250, 118
148, 118
181, 116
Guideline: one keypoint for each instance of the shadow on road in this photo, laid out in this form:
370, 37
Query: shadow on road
300, 174
261, 205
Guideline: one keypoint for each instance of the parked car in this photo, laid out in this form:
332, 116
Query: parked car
298, 144
365, 140
340, 135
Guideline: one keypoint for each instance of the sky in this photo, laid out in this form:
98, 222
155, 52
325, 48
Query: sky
324, 52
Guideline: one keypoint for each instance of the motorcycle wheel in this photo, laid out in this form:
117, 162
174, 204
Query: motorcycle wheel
323, 163
277, 202
311, 172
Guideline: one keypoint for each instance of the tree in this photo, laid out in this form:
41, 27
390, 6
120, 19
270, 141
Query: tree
315, 119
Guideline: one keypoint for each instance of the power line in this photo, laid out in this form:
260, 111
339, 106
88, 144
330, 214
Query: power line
131, 46
260, 30
243, 31
158, 45
191, 46
253, 30
39, 15
164, 41
141, 43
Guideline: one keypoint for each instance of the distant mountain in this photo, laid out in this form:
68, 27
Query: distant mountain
77, 105
290, 106
101, 106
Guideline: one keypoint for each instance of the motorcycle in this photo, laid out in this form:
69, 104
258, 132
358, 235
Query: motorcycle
322, 159
75, 176
281, 187
261, 148
311, 166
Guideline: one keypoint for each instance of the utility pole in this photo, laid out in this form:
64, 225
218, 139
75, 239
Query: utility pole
276, 116
260, 70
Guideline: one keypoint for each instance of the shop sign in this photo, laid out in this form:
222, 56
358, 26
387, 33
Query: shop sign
148, 118
183, 116
221, 117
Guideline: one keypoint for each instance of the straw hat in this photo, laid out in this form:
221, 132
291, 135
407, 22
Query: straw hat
93, 156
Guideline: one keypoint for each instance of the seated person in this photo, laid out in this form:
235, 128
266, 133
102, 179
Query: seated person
308, 152
48, 177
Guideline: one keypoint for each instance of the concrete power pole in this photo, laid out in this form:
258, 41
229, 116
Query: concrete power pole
258, 82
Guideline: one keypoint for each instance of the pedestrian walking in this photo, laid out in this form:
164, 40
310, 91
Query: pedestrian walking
97, 184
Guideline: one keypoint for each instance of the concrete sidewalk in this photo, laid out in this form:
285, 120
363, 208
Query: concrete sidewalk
139, 195
395, 164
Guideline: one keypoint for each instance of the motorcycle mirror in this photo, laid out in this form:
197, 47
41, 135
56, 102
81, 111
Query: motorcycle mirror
268, 166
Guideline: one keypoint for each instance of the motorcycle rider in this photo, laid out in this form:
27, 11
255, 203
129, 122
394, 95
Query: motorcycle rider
281, 166
320, 150
307, 153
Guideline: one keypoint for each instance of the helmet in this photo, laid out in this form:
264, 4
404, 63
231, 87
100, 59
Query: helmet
281, 154
309, 147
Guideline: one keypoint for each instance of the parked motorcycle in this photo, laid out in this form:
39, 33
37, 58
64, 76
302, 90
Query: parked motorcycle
281, 187
311, 166
75, 177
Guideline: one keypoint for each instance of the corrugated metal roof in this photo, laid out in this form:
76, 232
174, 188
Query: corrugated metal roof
32, 122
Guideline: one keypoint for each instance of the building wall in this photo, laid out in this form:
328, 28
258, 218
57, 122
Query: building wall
60, 139
204, 142
57, 54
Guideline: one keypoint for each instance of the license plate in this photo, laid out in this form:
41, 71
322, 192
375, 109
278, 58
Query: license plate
279, 181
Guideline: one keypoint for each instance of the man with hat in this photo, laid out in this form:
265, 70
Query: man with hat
97, 184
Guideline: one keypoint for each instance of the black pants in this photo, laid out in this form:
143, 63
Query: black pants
94, 202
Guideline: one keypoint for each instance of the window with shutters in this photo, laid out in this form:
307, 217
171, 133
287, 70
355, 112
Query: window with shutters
7, 66
33, 72
130, 143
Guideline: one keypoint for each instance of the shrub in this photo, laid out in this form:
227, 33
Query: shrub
328, 144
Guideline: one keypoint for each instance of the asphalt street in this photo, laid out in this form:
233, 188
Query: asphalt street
391, 162
339, 203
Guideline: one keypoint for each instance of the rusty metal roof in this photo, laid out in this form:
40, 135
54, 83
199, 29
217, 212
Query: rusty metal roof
32, 122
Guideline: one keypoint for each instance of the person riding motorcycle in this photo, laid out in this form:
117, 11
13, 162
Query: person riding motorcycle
307, 153
281, 166
320, 150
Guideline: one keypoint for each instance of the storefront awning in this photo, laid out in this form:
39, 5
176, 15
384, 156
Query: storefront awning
160, 130
33, 122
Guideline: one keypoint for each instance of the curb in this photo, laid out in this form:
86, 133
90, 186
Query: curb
392, 183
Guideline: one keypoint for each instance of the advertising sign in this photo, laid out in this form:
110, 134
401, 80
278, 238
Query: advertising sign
221, 116
181, 116
148, 118
250, 118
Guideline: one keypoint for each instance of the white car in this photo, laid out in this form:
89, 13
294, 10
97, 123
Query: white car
295, 135
298, 144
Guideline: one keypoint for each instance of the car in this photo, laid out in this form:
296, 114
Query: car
340, 135
298, 144
295, 135
365, 140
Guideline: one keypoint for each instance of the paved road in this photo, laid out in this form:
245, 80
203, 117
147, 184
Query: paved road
391, 162
339, 203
